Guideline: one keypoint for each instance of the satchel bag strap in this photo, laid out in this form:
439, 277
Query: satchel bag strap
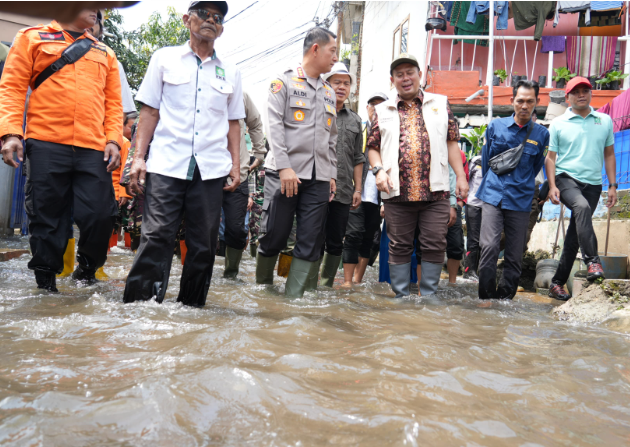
75, 51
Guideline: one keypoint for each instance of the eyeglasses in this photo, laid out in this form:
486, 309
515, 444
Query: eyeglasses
205, 15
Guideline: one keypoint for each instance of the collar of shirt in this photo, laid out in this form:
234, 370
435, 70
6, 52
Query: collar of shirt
572, 114
419, 99
56, 26
319, 82
187, 49
514, 123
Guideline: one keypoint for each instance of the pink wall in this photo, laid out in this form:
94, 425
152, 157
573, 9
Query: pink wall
567, 26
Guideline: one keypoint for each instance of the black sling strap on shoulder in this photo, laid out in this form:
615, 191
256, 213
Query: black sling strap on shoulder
70, 55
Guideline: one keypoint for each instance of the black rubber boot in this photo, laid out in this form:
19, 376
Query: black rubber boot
472, 261
46, 281
83, 274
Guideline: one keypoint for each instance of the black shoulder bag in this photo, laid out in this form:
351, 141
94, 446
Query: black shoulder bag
75, 51
507, 161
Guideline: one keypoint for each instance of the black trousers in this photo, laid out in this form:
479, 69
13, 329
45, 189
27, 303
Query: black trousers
473, 226
167, 200
65, 181
582, 200
335, 229
495, 221
455, 238
311, 207
363, 223
235, 210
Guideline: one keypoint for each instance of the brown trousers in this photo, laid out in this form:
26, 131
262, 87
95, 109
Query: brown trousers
431, 220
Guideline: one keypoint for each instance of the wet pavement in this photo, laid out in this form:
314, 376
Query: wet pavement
334, 368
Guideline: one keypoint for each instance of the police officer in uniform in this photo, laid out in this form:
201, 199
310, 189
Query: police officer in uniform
301, 166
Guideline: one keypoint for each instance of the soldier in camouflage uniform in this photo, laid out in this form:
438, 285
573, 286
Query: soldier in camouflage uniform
255, 211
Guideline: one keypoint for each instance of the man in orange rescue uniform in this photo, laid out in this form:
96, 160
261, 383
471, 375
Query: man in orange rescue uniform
74, 133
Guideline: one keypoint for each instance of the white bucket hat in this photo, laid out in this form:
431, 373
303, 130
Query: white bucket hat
340, 68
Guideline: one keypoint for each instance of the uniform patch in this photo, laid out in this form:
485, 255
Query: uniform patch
598, 121
329, 122
329, 101
276, 86
300, 103
328, 93
220, 73
299, 115
297, 79
300, 86
535, 143
330, 109
435, 110
300, 72
298, 93
52, 36
102, 49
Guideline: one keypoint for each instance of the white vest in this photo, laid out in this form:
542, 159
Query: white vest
435, 116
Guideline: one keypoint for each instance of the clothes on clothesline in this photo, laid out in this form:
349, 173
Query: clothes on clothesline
570, 7
605, 6
481, 27
553, 43
528, 14
619, 110
591, 55
501, 10
600, 18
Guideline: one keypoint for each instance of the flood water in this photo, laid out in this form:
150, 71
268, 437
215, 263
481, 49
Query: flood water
334, 368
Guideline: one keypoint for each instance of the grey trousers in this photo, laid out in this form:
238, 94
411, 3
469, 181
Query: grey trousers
311, 206
494, 221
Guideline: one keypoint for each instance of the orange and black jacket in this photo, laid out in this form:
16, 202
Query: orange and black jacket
79, 106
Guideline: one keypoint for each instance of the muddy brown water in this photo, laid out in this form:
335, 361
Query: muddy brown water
334, 368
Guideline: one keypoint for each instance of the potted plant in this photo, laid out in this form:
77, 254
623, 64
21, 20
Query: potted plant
499, 77
611, 81
563, 75
475, 138
345, 57
542, 81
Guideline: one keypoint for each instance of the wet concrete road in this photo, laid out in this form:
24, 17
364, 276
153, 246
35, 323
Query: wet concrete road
334, 368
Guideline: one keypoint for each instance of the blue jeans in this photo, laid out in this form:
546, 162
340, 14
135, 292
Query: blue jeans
500, 10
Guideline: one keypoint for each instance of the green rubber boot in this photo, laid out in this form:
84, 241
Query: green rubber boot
329, 269
299, 275
232, 262
264, 268
311, 282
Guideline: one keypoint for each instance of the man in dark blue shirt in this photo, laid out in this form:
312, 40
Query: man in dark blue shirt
508, 197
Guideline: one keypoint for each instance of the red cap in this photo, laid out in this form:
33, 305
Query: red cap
577, 82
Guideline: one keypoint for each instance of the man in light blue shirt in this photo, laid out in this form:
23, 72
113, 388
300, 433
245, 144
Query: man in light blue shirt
581, 141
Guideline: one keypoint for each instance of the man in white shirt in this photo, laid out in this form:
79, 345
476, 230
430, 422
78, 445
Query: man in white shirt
192, 104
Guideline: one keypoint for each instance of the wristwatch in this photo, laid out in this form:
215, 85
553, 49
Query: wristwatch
613, 185
375, 170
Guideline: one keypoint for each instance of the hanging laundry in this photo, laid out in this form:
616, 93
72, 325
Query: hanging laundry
570, 7
528, 14
590, 55
445, 10
606, 6
553, 43
619, 110
600, 18
481, 27
500, 9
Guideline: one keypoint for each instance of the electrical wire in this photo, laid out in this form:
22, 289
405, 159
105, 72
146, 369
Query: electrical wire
241, 12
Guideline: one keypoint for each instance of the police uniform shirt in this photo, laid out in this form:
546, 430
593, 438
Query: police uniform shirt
196, 99
301, 125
